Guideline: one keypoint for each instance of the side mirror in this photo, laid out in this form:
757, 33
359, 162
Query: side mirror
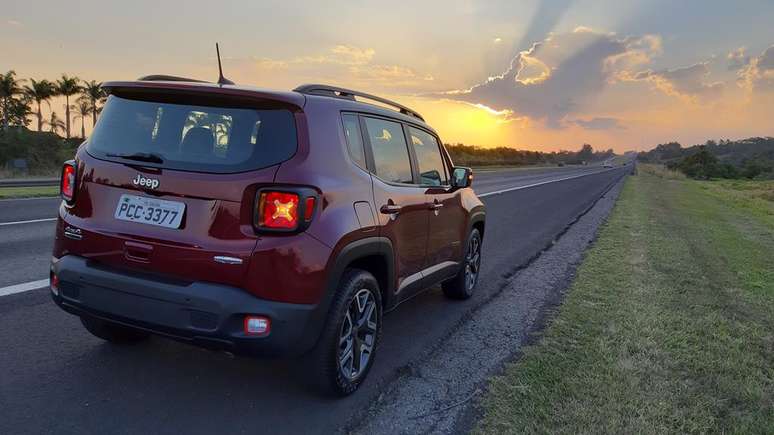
462, 177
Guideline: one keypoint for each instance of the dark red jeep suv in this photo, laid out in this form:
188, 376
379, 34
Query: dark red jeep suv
260, 222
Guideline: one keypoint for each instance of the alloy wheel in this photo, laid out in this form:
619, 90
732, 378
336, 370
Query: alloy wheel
472, 262
358, 334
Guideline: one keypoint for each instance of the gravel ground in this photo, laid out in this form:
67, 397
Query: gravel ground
438, 394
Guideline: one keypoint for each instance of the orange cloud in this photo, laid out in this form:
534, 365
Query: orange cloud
758, 74
346, 65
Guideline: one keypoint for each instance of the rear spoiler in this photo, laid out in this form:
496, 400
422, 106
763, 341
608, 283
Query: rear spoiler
218, 94
166, 78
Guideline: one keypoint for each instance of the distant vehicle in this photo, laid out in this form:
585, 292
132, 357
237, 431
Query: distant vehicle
261, 222
560, 164
607, 164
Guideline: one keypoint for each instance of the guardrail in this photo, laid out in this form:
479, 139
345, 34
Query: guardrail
29, 182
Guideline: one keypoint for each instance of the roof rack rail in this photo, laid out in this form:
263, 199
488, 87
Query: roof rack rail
349, 94
166, 78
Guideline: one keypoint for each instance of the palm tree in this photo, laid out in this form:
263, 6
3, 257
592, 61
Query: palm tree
9, 87
40, 91
55, 124
19, 111
96, 95
82, 111
67, 86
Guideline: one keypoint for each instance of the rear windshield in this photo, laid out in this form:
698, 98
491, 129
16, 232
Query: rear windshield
192, 138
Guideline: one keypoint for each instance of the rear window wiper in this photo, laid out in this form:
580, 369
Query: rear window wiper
139, 157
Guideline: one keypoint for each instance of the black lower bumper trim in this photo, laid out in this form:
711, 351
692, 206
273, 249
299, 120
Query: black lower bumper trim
204, 314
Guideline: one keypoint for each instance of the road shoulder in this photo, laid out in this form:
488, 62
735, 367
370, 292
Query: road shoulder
434, 394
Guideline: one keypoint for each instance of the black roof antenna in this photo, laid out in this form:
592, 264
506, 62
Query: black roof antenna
221, 80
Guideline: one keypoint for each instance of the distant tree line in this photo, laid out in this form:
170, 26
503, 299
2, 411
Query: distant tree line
747, 158
468, 155
21, 101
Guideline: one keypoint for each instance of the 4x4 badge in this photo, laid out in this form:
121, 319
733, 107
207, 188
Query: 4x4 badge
142, 181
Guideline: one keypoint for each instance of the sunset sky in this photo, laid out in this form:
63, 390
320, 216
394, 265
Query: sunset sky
543, 75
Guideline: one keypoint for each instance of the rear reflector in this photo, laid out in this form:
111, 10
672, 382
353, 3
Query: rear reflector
309, 209
257, 325
54, 284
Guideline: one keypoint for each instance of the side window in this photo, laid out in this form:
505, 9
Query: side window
431, 169
391, 155
354, 139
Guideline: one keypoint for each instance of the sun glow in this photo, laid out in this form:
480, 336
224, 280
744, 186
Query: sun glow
466, 123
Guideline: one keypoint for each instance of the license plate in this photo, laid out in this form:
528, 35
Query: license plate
150, 211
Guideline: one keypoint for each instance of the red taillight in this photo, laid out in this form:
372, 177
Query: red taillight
284, 209
67, 186
278, 210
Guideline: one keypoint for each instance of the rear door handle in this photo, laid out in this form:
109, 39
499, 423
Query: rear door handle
390, 209
435, 205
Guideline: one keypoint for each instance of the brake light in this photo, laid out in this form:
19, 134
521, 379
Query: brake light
284, 209
67, 183
278, 210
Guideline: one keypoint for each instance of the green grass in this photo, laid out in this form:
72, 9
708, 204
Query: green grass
660, 171
668, 328
28, 192
8, 174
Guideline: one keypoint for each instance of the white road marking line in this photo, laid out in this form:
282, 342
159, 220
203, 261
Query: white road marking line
2, 224
32, 198
510, 189
24, 287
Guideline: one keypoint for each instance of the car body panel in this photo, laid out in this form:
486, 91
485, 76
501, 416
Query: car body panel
407, 230
217, 221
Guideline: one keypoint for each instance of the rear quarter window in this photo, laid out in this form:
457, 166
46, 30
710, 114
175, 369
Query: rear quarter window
354, 139
194, 138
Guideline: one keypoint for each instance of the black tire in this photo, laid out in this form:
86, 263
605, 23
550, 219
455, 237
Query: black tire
328, 360
112, 332
464, 283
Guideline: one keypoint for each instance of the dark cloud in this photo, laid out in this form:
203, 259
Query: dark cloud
766, 60
558, 74
599, 123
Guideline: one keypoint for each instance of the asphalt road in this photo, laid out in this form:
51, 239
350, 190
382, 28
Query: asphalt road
55, 377
25, 246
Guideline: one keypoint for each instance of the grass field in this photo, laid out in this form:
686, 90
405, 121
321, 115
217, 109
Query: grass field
669, 326
28, 192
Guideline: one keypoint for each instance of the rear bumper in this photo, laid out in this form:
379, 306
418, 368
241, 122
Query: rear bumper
200, 313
